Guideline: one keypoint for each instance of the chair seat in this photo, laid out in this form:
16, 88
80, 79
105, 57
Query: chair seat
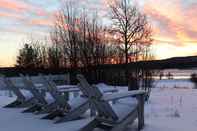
124, 107
49, 98
27, 94
106, 88
76, 102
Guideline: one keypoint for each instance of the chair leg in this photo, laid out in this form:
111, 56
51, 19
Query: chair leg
27, 103
124, 123
141, 112
47, 109
32, 109
52, 115
92, 110
74, 114
14, 104
90, 126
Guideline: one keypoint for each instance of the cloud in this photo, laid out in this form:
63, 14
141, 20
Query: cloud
14, 5
11, 15
41, 22
21, 7
173, 20
26, 14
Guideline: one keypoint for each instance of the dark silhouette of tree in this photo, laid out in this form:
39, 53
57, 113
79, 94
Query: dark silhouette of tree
65, 34
54, 57
81, 36
35, 54
28, 57
92, 43
132, 33
131, 29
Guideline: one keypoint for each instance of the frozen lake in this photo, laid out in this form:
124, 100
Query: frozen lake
180, 78
177, 73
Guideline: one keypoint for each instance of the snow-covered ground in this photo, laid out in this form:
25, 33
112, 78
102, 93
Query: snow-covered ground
172, 108
176, 83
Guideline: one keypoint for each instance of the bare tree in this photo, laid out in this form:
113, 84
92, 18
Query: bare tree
41, 49
65, 33
94, 46
131, 27
54, 56
82, 37
133, 35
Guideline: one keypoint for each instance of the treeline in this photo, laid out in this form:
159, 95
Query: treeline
79, 39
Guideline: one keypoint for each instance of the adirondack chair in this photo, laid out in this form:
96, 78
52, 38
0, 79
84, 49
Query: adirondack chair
64, 102
21, 100
113, 117
68, 110
39, 96
60, 102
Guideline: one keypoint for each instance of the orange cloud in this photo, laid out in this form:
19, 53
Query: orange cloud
191, 20
163, 39
42, 22
14, 5
5, 14
173, 20
22, 7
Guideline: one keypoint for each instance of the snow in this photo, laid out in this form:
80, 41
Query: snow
179, 83
14, 120
170, 108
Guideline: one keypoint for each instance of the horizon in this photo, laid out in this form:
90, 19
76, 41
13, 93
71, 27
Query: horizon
173, 23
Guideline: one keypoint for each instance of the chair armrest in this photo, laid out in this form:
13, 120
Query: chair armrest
69, 90
108, 90
105, 89
121, 95
59, 87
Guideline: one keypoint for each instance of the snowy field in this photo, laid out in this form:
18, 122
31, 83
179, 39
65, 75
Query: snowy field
172, 108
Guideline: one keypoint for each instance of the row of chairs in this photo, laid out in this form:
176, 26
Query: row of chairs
114, 117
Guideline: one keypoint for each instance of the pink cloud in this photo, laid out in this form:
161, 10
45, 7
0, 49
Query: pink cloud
191, 17
174, 21
14, 5
11, 15
42, 22
21, 7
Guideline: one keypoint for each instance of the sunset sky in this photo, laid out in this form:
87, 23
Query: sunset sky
174, 23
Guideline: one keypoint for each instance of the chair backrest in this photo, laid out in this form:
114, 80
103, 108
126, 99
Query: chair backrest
95, 96
59, 79
33, 89
45, 81
86, 88
10, 85
52, 88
